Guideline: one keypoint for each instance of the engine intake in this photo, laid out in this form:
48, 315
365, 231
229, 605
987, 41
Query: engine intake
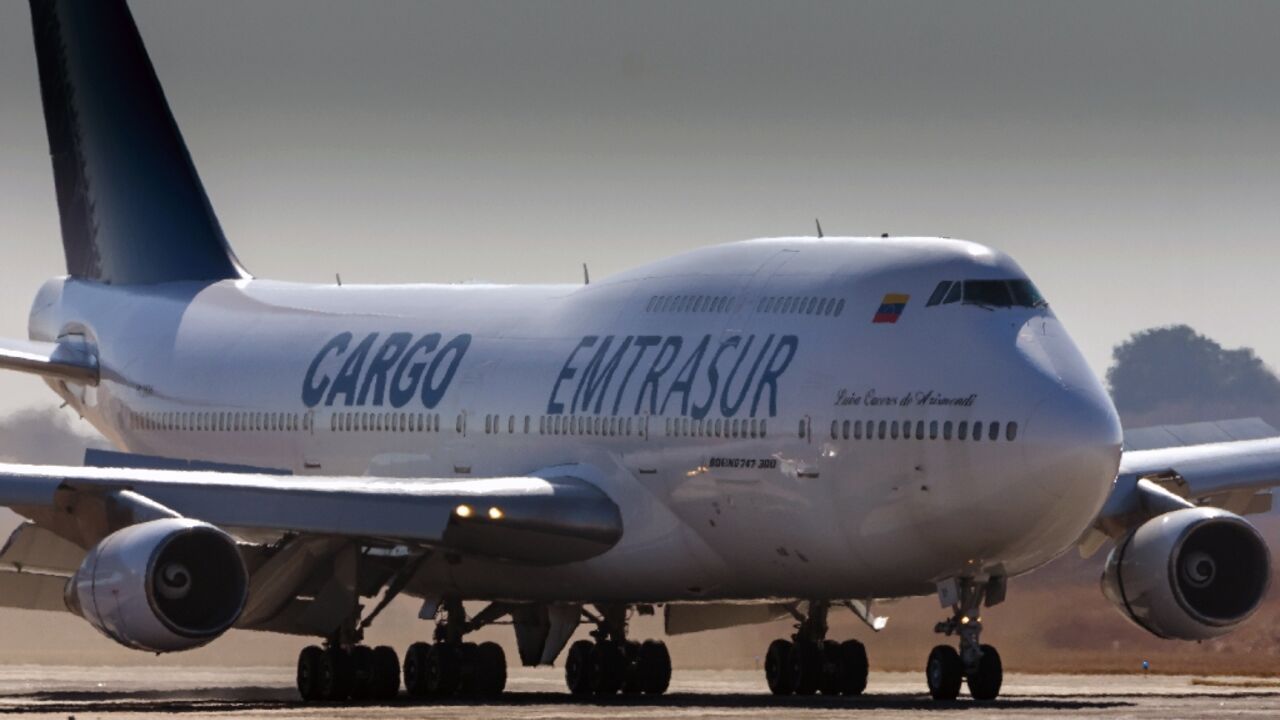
160, 586
1189, 574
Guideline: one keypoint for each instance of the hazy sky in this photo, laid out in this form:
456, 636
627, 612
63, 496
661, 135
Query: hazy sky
1126, 153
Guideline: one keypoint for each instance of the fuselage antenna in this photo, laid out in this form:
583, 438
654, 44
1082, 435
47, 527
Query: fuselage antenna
818, 222
586, 275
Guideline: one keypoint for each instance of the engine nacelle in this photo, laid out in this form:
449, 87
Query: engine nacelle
163, 585
1189, 574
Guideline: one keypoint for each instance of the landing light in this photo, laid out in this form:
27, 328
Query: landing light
495, 513
463, 511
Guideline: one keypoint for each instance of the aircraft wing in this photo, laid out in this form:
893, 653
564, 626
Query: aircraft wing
556, 517
1236, 475
67, 359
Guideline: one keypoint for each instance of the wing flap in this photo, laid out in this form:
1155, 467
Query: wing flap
36, 549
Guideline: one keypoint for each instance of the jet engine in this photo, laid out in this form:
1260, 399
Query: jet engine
163, 585
1189, 574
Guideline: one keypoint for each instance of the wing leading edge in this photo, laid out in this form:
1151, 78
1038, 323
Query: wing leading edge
550, 519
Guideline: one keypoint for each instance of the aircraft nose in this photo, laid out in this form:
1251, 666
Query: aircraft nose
1073, 443
1073, 434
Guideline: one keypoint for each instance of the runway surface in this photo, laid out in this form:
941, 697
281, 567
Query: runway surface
84, 692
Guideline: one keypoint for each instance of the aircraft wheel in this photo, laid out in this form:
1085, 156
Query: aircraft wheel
984, 684
806, 668
577, 667
360, 660
852, 667
386, 673
655, 667
491, 669
607, 668
633, 679
777, 667
944, 672
416, 661
309, 673
444, 676
334, 674
829, 673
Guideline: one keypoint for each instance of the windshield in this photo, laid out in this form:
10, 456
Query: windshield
989, 294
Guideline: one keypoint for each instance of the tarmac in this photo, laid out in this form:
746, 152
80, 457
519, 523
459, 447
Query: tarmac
138, 692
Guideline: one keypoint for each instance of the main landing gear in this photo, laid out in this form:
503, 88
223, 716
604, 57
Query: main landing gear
335, 673
809, 663
450, 667
610, 663
977, 664
345, 670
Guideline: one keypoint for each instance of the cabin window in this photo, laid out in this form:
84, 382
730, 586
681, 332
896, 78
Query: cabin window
919, 429
977, 431
962, 432
1011, 431
893, 430
994, 431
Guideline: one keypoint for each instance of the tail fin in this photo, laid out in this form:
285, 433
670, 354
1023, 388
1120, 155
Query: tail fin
132, 208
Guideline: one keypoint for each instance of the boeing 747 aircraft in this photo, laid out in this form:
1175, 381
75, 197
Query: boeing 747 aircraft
775, 428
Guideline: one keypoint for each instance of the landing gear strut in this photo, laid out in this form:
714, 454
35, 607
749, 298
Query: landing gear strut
810, 663
977, 664
610, 663
450, 667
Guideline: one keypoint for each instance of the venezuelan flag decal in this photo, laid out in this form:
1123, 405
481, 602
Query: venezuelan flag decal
891, 308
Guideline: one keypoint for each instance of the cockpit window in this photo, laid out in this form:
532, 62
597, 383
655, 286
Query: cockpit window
989, 294
994, 293
939, 293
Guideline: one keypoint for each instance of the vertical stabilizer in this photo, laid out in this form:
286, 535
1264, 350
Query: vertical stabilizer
132, 207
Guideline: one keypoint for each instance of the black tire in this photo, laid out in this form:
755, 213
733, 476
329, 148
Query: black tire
633, 679
853, 667
607, 668
577, 668
984, 685
944, 673
334, 675
829, 680
444, 670
416, 661
777, 667
361, 662
386, 673
470, 674
655, 664
806, 668
308, 673
491, 666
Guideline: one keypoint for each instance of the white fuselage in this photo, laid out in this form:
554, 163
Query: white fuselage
707, 394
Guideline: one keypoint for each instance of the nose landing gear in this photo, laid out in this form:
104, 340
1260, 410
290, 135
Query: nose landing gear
976, 664
809, 663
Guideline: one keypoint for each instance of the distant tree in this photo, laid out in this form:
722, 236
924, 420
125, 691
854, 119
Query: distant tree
1174, 374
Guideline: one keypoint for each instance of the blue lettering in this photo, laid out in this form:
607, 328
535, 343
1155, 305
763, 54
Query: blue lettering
313, 393
400, 394
381, 364
769, 378
567, 373
349, 375
432, 392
